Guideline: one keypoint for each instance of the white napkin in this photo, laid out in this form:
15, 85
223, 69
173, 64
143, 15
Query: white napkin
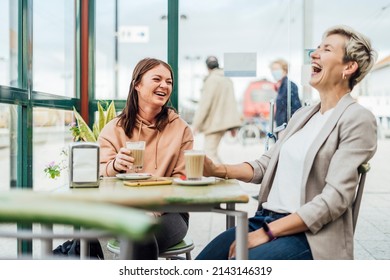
85, 165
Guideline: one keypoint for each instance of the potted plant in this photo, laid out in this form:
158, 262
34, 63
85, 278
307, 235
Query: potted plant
82, 132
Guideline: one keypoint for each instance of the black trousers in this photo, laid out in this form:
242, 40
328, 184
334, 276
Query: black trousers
173, 228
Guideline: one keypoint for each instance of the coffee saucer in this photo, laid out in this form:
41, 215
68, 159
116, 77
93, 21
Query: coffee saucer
134, 176
203, 182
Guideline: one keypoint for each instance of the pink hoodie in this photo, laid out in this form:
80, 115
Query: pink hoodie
164, 149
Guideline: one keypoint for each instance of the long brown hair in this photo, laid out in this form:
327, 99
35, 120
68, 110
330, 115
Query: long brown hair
128, 117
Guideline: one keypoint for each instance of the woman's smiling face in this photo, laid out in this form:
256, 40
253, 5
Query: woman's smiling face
327, 62
155, 87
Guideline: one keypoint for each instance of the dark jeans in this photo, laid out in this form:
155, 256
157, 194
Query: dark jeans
173, 228
291, 247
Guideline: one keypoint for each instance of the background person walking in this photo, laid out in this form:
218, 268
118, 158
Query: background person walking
217, 109
279, 71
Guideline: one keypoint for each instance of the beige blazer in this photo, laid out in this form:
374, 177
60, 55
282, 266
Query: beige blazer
348, 139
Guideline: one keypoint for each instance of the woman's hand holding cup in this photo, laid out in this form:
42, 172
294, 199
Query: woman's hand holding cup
123, 160
209, 167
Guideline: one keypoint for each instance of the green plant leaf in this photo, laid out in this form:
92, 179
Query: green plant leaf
85, 132
96, 130
111, 112
102, 118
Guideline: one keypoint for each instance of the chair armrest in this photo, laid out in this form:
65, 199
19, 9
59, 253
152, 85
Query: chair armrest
364, 168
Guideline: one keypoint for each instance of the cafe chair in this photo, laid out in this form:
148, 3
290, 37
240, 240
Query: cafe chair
172, 253
90, 220
362, 170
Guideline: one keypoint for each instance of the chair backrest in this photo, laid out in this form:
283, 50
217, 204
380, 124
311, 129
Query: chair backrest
362, 170
95, 219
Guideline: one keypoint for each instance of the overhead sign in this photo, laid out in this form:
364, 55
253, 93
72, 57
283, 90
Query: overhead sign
240, 64
133, 34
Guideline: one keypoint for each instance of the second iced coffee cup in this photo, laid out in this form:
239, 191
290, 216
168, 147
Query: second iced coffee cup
194, 160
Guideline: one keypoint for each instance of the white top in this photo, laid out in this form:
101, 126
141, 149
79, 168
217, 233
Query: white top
286, 189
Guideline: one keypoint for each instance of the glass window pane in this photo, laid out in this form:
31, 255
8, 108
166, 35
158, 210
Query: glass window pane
8, 146
51, 136
9, 43
247, 26
54, 47
142, 32
276, 29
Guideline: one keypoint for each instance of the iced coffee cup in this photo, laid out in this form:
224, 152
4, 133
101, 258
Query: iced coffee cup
137, 149
194, 161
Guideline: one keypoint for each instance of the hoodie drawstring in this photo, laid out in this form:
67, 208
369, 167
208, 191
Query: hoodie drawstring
157, 140
155, 155
139, 130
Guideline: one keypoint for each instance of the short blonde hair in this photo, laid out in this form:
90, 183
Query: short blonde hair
358, 48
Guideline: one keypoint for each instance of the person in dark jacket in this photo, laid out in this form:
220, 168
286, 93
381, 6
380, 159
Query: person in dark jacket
279, 71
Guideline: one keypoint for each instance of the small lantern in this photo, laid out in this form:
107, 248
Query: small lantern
83, 164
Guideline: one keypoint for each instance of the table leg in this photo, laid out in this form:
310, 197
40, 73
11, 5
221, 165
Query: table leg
241, 231
46, 243
230, 221
127, 250
84, 250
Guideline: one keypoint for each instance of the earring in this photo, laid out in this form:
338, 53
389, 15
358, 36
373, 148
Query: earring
344, 77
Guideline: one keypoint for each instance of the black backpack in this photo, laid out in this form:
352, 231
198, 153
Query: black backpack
71, 248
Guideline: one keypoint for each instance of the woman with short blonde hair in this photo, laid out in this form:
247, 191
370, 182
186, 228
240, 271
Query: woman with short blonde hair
309, 177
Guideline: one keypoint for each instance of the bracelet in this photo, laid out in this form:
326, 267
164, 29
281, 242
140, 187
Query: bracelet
226, 175
268, 231
113, 166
